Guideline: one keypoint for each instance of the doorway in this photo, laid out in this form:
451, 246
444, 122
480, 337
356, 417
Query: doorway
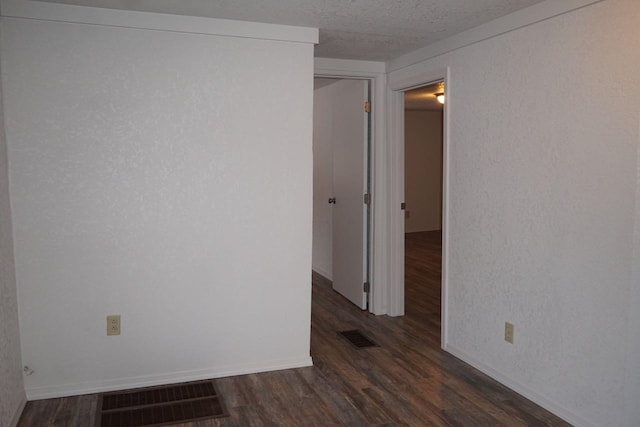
341, 188
423, 164
395, 184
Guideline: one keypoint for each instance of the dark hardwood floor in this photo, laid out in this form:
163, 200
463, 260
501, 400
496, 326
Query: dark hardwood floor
407, 380
423, 258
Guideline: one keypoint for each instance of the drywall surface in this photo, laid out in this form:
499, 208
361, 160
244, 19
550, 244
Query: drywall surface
12, 397
423, 170
632, 383
543, 180
165, 177
323, 98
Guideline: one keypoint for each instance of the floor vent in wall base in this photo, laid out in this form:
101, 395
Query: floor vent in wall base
356, 338
160, 406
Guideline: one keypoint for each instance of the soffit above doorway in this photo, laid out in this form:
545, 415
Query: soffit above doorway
374, 30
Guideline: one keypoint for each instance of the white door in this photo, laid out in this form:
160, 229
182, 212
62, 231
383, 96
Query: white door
350, 183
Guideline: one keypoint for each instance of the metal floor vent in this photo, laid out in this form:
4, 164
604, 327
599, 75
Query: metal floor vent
160, 406
356, 338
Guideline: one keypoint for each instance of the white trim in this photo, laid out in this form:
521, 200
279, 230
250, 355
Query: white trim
395, 166
379, 191
446, 212
373, 71
64, 390
550, 405
522, 18
13, 422
396, 184
322, 272
155, 21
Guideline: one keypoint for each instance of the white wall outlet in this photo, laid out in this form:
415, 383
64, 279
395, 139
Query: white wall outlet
113, 325
509, 331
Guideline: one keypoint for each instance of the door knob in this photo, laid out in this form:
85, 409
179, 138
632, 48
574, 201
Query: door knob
332, 200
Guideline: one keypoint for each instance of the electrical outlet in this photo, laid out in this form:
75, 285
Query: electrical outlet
509, 332
113, 325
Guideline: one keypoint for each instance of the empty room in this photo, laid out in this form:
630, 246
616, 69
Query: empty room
162, 209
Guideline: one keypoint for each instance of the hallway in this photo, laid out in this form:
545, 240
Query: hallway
407, 380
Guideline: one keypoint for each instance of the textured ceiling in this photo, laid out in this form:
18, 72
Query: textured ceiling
376, 30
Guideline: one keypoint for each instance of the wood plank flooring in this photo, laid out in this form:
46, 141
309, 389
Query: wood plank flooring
407, 380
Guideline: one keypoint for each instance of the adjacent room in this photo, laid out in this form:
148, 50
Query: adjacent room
423, 159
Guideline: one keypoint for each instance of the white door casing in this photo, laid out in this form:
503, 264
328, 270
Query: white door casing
395, 95
375, 74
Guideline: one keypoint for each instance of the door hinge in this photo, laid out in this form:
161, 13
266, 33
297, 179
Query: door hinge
367, 198
367, 287
403, 206
367, 107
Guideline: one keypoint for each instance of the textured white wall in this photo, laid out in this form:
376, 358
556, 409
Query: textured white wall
544, 133
632, 375
423, 170
165, 177
323, 179
12, 397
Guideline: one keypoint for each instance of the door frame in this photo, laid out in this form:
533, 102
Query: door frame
378, 251
395, 96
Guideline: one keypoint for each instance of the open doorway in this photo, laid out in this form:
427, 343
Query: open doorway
423, 184
341, 176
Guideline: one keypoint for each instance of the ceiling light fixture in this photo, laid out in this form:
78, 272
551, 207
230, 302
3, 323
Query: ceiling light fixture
440, 97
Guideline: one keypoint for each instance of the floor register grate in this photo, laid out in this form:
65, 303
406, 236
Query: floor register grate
356, 338
160, 406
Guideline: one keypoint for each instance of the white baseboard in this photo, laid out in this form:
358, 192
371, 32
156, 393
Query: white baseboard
323, 273
63, 390
523, 390
16, 415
